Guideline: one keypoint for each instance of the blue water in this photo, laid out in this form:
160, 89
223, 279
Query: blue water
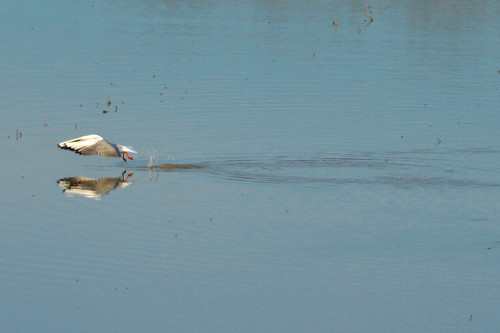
304, 177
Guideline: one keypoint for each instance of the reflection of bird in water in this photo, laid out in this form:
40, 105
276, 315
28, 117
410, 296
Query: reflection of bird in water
93, 188
95, 145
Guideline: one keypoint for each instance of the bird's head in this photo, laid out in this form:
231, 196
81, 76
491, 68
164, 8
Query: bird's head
125, 149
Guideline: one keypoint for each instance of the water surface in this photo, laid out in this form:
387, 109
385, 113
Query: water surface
303, 175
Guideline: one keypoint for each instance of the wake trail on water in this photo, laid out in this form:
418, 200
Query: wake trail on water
418, 169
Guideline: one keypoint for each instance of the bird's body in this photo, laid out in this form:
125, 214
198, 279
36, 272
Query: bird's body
95, 145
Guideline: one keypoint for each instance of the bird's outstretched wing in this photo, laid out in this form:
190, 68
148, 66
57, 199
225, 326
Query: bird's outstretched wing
91, 145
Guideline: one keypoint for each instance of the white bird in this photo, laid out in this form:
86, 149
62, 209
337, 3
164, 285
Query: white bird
93, 144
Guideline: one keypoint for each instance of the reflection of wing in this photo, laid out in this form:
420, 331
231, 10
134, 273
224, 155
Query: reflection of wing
93, 188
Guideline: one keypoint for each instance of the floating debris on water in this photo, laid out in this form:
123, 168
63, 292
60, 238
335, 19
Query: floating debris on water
369, 17
108, 102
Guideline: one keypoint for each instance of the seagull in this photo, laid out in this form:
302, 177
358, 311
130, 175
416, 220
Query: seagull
94, 144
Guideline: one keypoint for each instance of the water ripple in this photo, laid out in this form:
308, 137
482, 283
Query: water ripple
399, 170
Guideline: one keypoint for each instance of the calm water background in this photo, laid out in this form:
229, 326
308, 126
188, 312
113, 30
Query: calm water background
349, 174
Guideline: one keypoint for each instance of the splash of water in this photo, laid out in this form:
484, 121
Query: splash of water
153, 159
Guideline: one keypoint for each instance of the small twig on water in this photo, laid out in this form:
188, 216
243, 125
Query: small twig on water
368, 15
